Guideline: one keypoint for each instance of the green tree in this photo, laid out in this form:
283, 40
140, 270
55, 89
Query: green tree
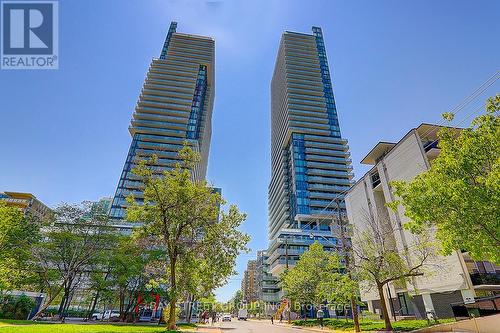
73, 241
236, 301
130, 275
99, 286
18, 234
15, 307
198, 278
185, 218
460, 193
338, 288
318, 276
378, 261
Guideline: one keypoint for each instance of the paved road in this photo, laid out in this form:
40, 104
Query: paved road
252, 326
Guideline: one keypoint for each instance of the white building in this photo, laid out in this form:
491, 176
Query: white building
451, 281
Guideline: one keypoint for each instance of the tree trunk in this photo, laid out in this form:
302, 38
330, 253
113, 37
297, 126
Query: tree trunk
94, 304
96, 297
46, 304
385, 314
355, 317
173, 298
67, 303
61, 305
121, 300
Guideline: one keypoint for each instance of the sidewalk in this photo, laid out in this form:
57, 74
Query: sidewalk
208, 328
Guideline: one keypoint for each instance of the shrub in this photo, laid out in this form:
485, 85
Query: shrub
16, 307
69, 313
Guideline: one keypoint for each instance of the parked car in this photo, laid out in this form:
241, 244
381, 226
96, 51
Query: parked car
226, 317
108, 314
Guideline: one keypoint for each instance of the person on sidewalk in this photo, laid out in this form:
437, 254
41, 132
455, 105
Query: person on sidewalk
272, 319
319, 315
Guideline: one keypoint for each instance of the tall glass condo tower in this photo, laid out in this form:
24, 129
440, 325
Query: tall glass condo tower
175, 106
310, 159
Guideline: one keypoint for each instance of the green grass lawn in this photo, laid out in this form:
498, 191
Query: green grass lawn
25, 326
368, 325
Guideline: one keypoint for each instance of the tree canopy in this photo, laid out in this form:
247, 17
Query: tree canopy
460, 193
74, 241
185, 217
318, 276
17, 235
378, 261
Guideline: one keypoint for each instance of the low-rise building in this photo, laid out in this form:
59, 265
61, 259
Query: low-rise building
26, 202
457, 278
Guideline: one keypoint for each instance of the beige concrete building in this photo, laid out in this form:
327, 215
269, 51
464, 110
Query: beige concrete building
249, 286
452, 278
26, 202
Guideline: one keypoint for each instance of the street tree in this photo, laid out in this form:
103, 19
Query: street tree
236, 301
185, 217
338, 288
99, 286
378, 261
460, 193
18, 234
198, 278
130, 273
317, 277
302, 281
73, 239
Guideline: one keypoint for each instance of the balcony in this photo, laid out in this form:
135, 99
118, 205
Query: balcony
270, 285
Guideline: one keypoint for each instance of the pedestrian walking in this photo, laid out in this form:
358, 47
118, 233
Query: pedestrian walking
204, 316
272, 319
214, 317
319, 315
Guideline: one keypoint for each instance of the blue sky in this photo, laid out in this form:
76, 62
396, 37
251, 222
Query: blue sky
394, 65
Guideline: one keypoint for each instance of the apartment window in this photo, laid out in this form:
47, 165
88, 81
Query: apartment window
375, 177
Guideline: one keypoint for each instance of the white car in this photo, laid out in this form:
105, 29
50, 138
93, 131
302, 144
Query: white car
108, 314
226, 317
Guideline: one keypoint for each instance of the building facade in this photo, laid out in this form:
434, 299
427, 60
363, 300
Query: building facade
267, 284
249, 282
27, 203
174, 108
450, 279
310, 159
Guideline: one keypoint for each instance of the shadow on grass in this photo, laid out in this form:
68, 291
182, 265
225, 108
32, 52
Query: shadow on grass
26, 326
369, 325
